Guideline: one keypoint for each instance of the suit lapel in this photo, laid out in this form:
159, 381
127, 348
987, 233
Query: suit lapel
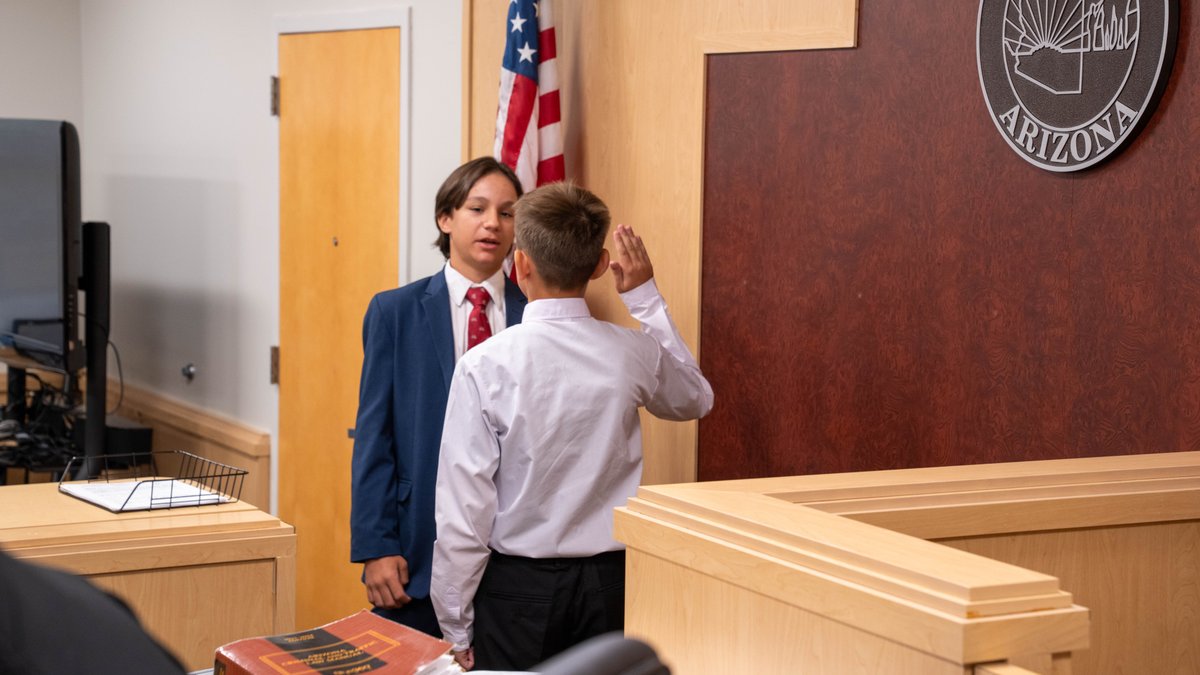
437, 314
514, 302
436, 303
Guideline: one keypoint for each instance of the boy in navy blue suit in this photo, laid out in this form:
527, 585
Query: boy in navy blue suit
412, 337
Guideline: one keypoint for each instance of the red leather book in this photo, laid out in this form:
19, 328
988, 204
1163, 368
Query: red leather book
359, 643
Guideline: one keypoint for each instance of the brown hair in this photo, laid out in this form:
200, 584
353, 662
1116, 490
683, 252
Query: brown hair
457, 186
562, 226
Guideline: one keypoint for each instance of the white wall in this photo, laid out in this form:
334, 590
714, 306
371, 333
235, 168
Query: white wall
179, 156
40, 61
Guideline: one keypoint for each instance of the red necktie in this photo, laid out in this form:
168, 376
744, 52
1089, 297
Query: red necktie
478, 328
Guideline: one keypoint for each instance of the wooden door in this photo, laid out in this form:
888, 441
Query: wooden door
339, 237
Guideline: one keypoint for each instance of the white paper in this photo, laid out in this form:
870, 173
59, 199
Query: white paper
442, 665
143, 495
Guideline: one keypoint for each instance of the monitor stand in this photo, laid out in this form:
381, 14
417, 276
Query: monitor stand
96, 284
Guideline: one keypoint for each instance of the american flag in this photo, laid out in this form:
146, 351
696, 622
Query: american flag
528, 125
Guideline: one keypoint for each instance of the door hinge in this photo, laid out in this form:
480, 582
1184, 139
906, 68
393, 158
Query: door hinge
275, 96
274, 364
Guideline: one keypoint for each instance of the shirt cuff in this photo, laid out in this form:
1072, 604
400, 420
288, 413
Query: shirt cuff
640, 295
461, 639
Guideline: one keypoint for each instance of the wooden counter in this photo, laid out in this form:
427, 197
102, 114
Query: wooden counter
885, 572
197, 577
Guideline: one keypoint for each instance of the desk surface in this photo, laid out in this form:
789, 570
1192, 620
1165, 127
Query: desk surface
14, 359
182, 570
39, 515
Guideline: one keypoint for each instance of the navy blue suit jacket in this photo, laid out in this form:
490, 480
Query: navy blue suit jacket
408, 358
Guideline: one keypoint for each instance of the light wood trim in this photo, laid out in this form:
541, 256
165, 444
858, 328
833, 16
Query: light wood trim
935, 480
1099, 510
723, 629
192, 420
87, 533
932, 575
65, 519
468, 48
1121, 538
483, 48
777, 41
835, 593
285, 591
1054, 664
943, 502
181, 426
108, 558
1001, 669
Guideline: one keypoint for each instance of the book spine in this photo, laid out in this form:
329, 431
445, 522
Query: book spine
224, 665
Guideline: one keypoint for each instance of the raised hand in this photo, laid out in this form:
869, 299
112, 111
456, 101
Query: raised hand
631, 266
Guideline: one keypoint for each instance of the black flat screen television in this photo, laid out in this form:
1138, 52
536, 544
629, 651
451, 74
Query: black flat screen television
40, 242
47, 256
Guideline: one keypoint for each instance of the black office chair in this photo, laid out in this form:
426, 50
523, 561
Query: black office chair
55, 622
608, 654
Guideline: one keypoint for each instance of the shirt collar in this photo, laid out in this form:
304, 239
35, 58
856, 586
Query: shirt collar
458, 285
556, 308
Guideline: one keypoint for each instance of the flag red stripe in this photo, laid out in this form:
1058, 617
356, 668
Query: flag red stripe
520, 110
525, 134
551, 169
549, 109
547, 44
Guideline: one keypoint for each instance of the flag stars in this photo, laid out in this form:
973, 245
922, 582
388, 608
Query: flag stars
526, 53
518, 24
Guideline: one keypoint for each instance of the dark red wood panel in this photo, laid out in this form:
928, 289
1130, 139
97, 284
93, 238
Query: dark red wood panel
886, 284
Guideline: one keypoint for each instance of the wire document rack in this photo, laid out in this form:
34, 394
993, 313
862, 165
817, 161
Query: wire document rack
156, 480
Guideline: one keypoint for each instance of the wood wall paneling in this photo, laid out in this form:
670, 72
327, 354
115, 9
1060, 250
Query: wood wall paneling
805, 641
632, 79
1139, 582
887, 285
176, 596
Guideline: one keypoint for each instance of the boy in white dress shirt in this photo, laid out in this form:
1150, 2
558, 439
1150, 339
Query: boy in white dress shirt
542, 440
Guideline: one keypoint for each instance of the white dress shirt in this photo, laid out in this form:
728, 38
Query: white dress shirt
542, 439
460, 307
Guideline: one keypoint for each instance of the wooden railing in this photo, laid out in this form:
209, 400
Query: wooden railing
944, 570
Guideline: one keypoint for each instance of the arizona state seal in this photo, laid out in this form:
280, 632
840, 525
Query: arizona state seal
1069, 82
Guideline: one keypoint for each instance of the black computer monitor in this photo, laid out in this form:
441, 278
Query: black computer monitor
40, 242
47, 256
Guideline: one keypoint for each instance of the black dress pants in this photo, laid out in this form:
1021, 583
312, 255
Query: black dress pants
418, 613
529, 609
